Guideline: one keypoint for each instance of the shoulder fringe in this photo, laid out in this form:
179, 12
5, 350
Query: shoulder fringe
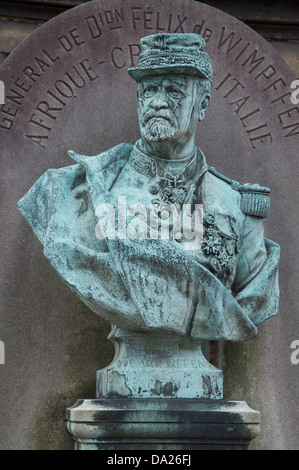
255, 200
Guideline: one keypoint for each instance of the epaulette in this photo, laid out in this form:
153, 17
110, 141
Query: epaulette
255, 199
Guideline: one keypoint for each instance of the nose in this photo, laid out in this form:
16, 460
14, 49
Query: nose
159, 100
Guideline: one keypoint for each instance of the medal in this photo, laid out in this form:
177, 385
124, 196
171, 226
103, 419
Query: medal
171, 194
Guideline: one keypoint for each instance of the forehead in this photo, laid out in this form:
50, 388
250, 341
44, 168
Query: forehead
164, 80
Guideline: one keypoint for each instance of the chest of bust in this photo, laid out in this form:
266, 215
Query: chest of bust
210, 230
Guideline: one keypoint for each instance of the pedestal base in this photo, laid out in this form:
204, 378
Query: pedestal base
162, 424
150, 365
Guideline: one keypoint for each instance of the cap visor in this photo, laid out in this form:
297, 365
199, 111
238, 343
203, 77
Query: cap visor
140, 73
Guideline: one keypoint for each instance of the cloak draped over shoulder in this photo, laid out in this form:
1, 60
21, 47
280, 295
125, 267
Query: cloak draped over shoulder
147, 283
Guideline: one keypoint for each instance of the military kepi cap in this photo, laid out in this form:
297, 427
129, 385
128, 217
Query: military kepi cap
173, 53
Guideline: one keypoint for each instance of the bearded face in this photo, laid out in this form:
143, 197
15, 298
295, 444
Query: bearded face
159, 125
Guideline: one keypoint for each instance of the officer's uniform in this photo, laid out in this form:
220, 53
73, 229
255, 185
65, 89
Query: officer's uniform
220, 292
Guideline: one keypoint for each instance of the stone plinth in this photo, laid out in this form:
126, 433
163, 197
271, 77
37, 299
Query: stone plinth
158, 365
162, 424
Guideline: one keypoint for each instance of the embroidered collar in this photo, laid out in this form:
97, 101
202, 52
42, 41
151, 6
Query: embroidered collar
168, 187
154, 167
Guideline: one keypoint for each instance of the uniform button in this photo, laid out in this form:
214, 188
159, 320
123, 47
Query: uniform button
154, 189
163, 214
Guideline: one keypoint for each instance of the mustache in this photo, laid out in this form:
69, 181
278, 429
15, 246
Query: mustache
159, 114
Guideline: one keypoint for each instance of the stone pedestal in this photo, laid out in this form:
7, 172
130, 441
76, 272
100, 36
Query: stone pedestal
158, 365
162, 424
160, 393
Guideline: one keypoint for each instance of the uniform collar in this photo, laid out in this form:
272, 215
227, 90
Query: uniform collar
152, 166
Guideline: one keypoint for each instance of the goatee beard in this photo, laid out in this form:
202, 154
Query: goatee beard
158, 126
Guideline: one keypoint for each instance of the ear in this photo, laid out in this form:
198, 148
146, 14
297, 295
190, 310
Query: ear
203, 105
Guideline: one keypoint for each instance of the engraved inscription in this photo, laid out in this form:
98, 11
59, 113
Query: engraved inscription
160, 363
111, 19
125, 57
233, 90
236, 48
56, 99
266, 74
151, 20
70, 40
22, 85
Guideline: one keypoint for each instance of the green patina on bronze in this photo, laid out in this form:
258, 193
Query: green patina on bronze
155, 287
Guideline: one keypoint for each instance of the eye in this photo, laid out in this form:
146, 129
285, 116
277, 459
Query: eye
175, 92
149, 91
